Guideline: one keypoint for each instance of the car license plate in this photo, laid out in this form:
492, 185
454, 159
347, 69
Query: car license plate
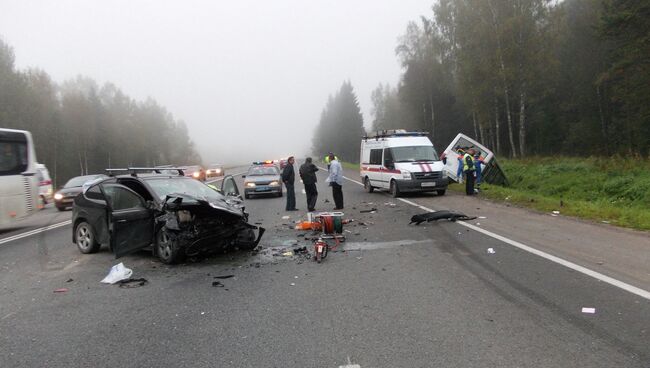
262, 189
429, 184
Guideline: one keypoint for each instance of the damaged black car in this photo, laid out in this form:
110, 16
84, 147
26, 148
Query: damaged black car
175, 215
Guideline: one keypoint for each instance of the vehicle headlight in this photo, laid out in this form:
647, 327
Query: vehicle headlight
58, 196
274, 183
250, 185
196, 174
218, 171
444, 174
406, 174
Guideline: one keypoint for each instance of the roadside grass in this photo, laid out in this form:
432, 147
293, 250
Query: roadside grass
614, 190
350, 165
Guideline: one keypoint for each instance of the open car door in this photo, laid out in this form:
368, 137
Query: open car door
131, 223
229, 187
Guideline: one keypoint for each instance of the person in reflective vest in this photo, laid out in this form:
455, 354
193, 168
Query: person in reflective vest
469, 171
478, 161
328, 159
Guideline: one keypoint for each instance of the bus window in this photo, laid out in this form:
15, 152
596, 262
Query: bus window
13, 158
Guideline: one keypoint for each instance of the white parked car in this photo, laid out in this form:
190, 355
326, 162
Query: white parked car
45, 187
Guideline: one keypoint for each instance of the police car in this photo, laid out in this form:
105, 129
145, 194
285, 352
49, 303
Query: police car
262, 178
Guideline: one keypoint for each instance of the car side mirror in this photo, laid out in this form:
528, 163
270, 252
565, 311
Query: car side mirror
389, 164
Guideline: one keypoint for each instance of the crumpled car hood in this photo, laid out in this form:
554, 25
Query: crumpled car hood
181, 201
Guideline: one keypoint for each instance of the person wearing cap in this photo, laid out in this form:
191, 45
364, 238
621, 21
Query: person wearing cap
288, 178
308, 175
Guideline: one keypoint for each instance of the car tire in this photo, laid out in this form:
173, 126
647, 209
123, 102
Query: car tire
280, 194
394, 189
84, 237
60, 208
167, 248
246, 196
367, 186
441, 192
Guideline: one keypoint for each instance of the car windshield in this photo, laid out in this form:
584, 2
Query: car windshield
80, 180
262, 170
414, 153
165, 186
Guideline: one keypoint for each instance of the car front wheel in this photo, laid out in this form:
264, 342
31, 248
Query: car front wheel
394, 189
167, 248
85, 238
367, 186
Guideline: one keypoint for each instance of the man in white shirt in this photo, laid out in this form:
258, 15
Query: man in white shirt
335, 179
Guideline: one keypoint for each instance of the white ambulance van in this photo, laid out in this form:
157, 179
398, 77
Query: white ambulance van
401, 161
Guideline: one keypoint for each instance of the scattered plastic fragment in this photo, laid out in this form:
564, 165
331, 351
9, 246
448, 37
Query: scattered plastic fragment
61, 290
132, 283
286, 217
482, 217
556, 212
588, 310
69, 280
117, 273
293, 284
605, 222
439, 215
491, 251
372, 210
288, 254
224, 277
478, 224
217, 284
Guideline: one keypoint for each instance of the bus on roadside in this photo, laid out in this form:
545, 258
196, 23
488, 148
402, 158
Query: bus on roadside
19, 184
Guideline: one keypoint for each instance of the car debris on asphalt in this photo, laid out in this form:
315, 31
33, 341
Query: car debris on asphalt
61, 290
440, 215
132, 283
588, 310
117, 273
491, 251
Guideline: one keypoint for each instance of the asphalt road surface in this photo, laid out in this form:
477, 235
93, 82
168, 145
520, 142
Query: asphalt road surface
393, 295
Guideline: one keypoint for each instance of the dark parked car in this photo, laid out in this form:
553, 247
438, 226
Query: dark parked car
177, 216
262, 178
64, 197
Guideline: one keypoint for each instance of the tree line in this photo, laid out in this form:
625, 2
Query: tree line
525, 77
82, 128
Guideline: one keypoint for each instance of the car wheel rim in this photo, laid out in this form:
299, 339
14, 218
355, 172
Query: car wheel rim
164, 246
83, 237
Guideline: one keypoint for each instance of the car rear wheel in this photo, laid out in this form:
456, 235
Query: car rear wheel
367, 186
394, 189
167, 248
441, 192
85, 238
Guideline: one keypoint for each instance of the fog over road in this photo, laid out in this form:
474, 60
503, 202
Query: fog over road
393, 295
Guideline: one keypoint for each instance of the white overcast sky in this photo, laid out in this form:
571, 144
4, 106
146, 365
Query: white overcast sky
250, 78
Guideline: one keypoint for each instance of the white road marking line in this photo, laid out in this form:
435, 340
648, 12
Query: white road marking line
34, 232
576, 267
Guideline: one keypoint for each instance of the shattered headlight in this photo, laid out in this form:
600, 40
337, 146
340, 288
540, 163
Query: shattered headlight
406, 175
274, 183
250, 185
184, 216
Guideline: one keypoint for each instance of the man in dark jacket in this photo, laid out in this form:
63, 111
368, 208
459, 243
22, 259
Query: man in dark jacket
308, 176
288, 178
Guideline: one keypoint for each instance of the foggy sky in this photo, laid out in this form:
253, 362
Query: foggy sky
250, 78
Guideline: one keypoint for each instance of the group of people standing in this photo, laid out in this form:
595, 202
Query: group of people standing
307, 172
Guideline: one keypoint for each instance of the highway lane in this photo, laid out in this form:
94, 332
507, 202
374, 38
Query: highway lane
399, 296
